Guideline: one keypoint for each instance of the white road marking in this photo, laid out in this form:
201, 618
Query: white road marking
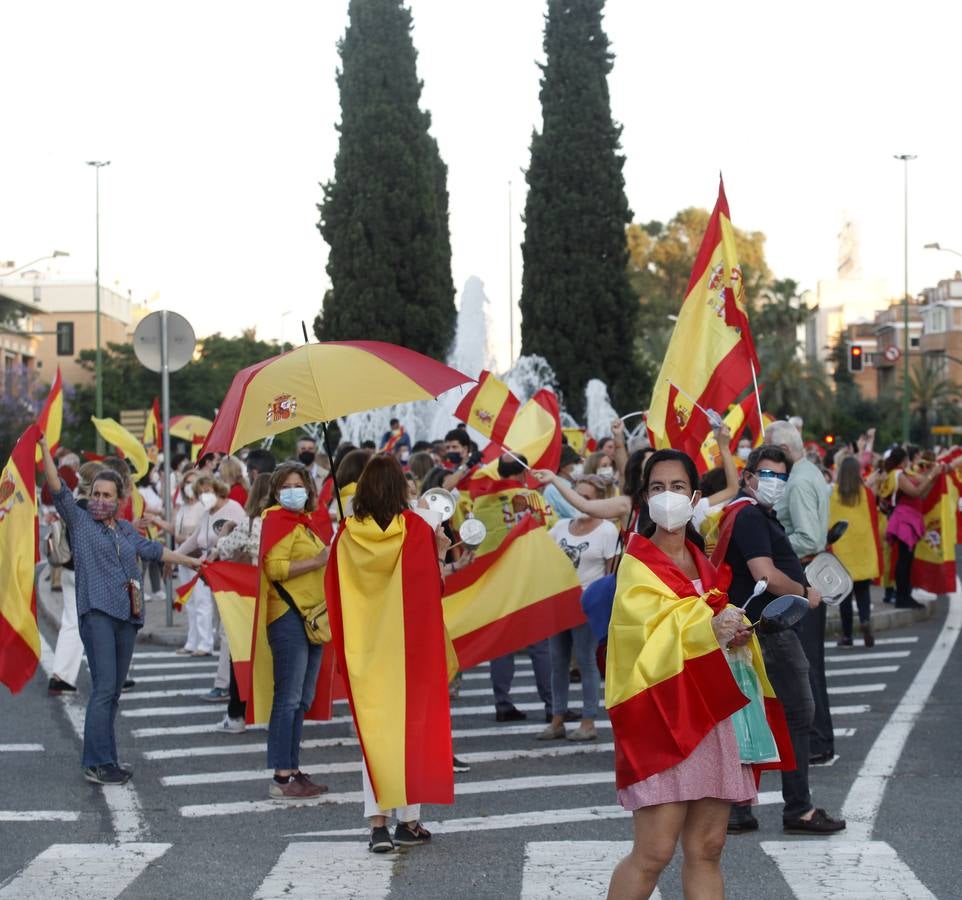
864, 657
38, 815
865, 796
122, 799
151, 711
861, 670
534, 819
159, 654
133, 696
21, 748
192, 666
82, 871
485, 756
844, 869
912, 639
307, 870
844, 732
856, 710
575, 869
170, 676
461, 788
858, 689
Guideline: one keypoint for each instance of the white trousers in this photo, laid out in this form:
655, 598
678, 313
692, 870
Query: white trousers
403, 813
70, 649
222, 678
200, 619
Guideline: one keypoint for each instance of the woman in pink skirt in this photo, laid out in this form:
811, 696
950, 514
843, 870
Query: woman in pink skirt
670, 694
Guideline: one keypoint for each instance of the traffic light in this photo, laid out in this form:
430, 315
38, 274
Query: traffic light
856, 361
829, 440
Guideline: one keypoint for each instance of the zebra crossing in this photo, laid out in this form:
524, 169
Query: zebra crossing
203, 778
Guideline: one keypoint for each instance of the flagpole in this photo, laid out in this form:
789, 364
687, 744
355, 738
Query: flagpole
758, 398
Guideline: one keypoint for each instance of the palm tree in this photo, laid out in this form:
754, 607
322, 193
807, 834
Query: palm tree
930, 394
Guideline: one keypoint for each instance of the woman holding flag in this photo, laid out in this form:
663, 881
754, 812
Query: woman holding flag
384, 600
670, 693
107, 554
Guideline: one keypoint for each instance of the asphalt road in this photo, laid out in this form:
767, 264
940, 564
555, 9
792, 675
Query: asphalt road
197, 820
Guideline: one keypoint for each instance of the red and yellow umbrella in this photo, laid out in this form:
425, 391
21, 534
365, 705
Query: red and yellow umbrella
319, 383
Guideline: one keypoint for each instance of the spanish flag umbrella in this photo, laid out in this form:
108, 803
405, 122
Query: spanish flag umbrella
319, 383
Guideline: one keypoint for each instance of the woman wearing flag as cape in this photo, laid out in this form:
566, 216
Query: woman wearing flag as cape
670, 693
384, 600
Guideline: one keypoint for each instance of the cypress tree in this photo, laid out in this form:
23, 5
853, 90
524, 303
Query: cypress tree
385, 213
577, 308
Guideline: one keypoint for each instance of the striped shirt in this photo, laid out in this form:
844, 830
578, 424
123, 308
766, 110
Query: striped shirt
104, 558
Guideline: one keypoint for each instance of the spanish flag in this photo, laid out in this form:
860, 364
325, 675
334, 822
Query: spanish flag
50, 419
580, 440
737, 418
711, 352
130, 448
257, 688
523, 592
667, 682
384, 602
933, 567
489, 408
860, 548
19, 553
153, 436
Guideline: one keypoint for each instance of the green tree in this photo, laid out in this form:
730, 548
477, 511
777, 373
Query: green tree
659, 267
197, 389
385, 213
576, 305
931, 396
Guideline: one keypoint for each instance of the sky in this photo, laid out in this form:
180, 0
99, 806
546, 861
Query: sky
219, 121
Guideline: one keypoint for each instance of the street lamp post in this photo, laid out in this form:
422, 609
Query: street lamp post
99, 362
906, 158
33, 262
938, 246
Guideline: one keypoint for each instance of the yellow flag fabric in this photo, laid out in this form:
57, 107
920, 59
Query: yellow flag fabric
711, 353
859, 549
19, 552
115, 433
50, 419
933, 567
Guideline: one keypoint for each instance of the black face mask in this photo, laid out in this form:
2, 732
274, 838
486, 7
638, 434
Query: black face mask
454, 458
307, 457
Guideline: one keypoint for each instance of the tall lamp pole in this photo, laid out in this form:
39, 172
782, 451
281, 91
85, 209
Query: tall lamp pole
98, 365
906, 343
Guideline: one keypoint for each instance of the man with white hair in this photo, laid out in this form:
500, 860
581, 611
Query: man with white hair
803, 513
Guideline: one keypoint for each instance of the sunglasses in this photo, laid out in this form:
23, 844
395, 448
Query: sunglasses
768, 473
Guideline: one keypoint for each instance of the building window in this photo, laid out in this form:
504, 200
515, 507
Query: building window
913, 342
65, 339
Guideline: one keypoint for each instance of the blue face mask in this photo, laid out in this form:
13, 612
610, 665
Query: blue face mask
293, 498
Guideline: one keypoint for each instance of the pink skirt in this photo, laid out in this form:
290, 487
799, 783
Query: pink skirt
712, 770
906, 524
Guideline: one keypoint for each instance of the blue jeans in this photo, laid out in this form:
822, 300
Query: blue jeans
109, 644
585, 645
296, 664
502, 674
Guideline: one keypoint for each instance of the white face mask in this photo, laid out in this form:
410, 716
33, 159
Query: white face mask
744, 452
189, 491
769, 491
208, 499
577, 470
606, 472
669, 510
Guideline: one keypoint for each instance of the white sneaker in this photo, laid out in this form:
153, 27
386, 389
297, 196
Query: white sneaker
227, 725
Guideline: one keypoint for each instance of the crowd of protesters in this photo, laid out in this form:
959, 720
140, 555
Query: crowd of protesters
761, 514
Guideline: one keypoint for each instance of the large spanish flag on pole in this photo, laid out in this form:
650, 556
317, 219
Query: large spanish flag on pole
933, 567
711, 352
523, 592
50, 419
384, 602
19, 552
489, 408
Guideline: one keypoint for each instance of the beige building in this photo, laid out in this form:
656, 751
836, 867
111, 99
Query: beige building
18, 345
63, 319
